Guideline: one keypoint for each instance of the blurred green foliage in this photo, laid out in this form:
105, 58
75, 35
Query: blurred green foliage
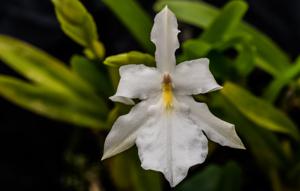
79, 25
215, 178
79, 94
132, 57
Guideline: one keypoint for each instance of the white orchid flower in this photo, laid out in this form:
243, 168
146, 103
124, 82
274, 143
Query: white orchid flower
168, 126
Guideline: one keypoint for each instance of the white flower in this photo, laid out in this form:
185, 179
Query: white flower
167, 125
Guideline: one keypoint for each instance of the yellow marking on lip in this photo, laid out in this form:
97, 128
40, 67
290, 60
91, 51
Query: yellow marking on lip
167, 92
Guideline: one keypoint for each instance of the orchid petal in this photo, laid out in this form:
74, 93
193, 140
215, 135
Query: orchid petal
164, 36
171, 143
137, 81
215, 129
194, 77
124, 131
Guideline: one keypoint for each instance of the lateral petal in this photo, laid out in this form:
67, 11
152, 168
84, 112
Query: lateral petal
164, 36
124, 131
194, 77
137, 81
215, 129
171, 143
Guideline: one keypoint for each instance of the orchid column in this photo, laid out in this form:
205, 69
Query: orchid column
167, 125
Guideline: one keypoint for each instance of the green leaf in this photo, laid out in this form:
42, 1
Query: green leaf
226, 22
196, 13
89, 72
263, 144
143, 180
51, 103
114, 76
43, 69
231, 177
205, 180
244, 63
294, 173
221, 66
135, 19
196, 48
127, 173
233, 41
258, 111
78, 24
269, 56
214, 178
132, 57
273, 90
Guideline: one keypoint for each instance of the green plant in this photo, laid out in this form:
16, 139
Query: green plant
78, 94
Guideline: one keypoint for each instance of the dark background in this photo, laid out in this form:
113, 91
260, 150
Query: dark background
32, 147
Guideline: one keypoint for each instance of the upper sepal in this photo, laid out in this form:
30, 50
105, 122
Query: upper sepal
164, 36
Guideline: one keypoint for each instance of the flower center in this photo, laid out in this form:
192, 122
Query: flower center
167, 92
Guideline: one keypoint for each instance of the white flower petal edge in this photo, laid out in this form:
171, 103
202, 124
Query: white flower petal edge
124, 131
164, 36
137, 81
194, 77
215, 129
